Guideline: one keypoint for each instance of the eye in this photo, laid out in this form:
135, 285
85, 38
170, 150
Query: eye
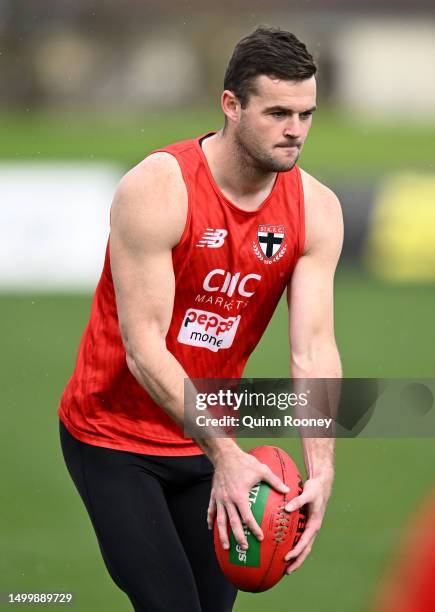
305, 116
278, 114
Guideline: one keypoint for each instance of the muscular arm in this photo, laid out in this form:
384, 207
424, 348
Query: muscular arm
148, 217
314, 352
147, 221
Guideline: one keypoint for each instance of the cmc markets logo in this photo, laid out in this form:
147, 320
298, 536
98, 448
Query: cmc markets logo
230, 291
207, 330
269, 246
227, 283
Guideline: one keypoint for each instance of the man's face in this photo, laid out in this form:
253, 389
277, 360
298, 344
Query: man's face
272, 128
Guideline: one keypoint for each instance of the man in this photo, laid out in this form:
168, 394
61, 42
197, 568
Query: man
205, 236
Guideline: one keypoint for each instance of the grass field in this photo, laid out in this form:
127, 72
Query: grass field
383, 331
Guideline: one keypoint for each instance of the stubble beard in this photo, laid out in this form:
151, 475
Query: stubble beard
251, 155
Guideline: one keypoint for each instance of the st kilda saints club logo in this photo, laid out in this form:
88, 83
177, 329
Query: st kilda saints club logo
270, 246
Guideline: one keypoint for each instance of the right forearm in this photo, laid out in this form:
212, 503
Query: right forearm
163, 377
217, 449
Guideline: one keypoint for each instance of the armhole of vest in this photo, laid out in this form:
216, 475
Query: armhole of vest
302, 231
185, 232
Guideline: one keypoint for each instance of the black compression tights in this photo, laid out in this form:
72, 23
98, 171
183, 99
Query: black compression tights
149, 515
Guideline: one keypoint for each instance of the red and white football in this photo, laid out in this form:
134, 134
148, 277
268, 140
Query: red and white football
261, 566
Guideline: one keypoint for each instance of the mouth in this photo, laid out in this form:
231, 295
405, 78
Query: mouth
289, 146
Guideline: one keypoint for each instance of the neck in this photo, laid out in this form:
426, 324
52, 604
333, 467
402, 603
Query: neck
234, 171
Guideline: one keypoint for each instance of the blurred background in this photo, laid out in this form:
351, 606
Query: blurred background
87, 90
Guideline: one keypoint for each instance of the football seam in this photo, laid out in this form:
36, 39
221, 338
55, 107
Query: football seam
273, 555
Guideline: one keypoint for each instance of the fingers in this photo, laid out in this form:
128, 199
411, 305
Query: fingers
211, 512
235, 517
298, 562
221, 521
249, 520
236, 526
314, 497
311, 495
306, 540
303, 548
299, 501
274, 481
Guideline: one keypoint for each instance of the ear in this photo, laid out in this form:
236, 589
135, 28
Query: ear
231, 106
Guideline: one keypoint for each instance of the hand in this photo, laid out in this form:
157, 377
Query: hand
315, 495
235, 474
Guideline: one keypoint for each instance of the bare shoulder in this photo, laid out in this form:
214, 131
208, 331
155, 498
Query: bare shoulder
151, 198
323, 216
317, 193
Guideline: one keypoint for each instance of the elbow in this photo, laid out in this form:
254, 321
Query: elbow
132, 364
143, 352
319, 359
303, 363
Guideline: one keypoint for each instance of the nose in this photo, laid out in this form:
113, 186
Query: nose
293, 127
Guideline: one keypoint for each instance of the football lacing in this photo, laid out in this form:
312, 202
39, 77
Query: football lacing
281, 525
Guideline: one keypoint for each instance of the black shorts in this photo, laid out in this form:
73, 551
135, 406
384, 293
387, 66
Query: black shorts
149, 514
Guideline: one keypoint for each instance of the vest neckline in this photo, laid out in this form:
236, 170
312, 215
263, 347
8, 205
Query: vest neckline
218, 191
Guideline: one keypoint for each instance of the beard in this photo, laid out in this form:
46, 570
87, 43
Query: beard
252, 154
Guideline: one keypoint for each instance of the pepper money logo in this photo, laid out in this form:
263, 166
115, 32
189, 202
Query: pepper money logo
207, 330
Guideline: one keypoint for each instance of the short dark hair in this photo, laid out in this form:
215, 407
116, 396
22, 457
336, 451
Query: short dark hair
269, 51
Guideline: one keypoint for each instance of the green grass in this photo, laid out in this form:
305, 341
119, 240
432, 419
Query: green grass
337, 146
46, 539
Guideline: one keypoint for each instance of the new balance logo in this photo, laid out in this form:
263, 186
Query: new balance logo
213, 238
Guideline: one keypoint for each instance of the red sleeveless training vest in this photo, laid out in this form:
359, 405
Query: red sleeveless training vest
231, 267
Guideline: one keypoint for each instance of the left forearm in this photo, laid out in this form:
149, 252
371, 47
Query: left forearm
321, 371
319, 457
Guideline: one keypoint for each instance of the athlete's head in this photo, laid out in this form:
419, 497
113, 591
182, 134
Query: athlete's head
269, 98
